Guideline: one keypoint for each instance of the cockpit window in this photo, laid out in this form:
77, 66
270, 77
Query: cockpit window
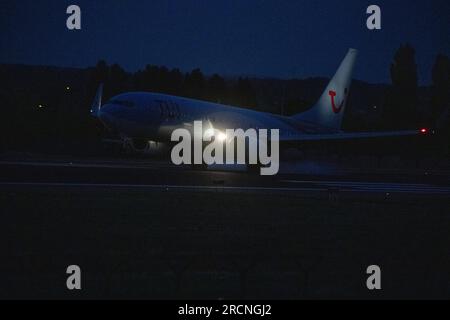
125, 103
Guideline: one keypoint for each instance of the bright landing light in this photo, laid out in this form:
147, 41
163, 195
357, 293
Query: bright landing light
221, 137
218, 135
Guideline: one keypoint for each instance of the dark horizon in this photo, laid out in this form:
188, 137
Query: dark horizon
258, 39
207, 75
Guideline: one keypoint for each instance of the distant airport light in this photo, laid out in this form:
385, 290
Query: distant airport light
40, 106
67, 88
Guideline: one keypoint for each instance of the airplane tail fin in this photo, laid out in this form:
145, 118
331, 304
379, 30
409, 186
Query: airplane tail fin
97, 103
329, 109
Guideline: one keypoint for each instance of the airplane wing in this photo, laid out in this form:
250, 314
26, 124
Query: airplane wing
352, 135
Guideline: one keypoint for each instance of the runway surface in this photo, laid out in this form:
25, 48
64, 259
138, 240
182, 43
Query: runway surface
147, 229
163, 176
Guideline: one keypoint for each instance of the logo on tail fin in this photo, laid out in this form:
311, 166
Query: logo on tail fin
337, 109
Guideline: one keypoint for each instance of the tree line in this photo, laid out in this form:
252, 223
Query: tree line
193, 84
401, 108
50, 106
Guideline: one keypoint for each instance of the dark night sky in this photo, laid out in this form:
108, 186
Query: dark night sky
232, 37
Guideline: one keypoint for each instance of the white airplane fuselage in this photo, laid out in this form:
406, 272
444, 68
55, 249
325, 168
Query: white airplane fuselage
154, 116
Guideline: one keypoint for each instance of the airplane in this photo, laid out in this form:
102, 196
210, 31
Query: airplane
146, 120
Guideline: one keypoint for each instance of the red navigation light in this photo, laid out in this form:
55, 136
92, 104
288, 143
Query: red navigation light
423, 130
